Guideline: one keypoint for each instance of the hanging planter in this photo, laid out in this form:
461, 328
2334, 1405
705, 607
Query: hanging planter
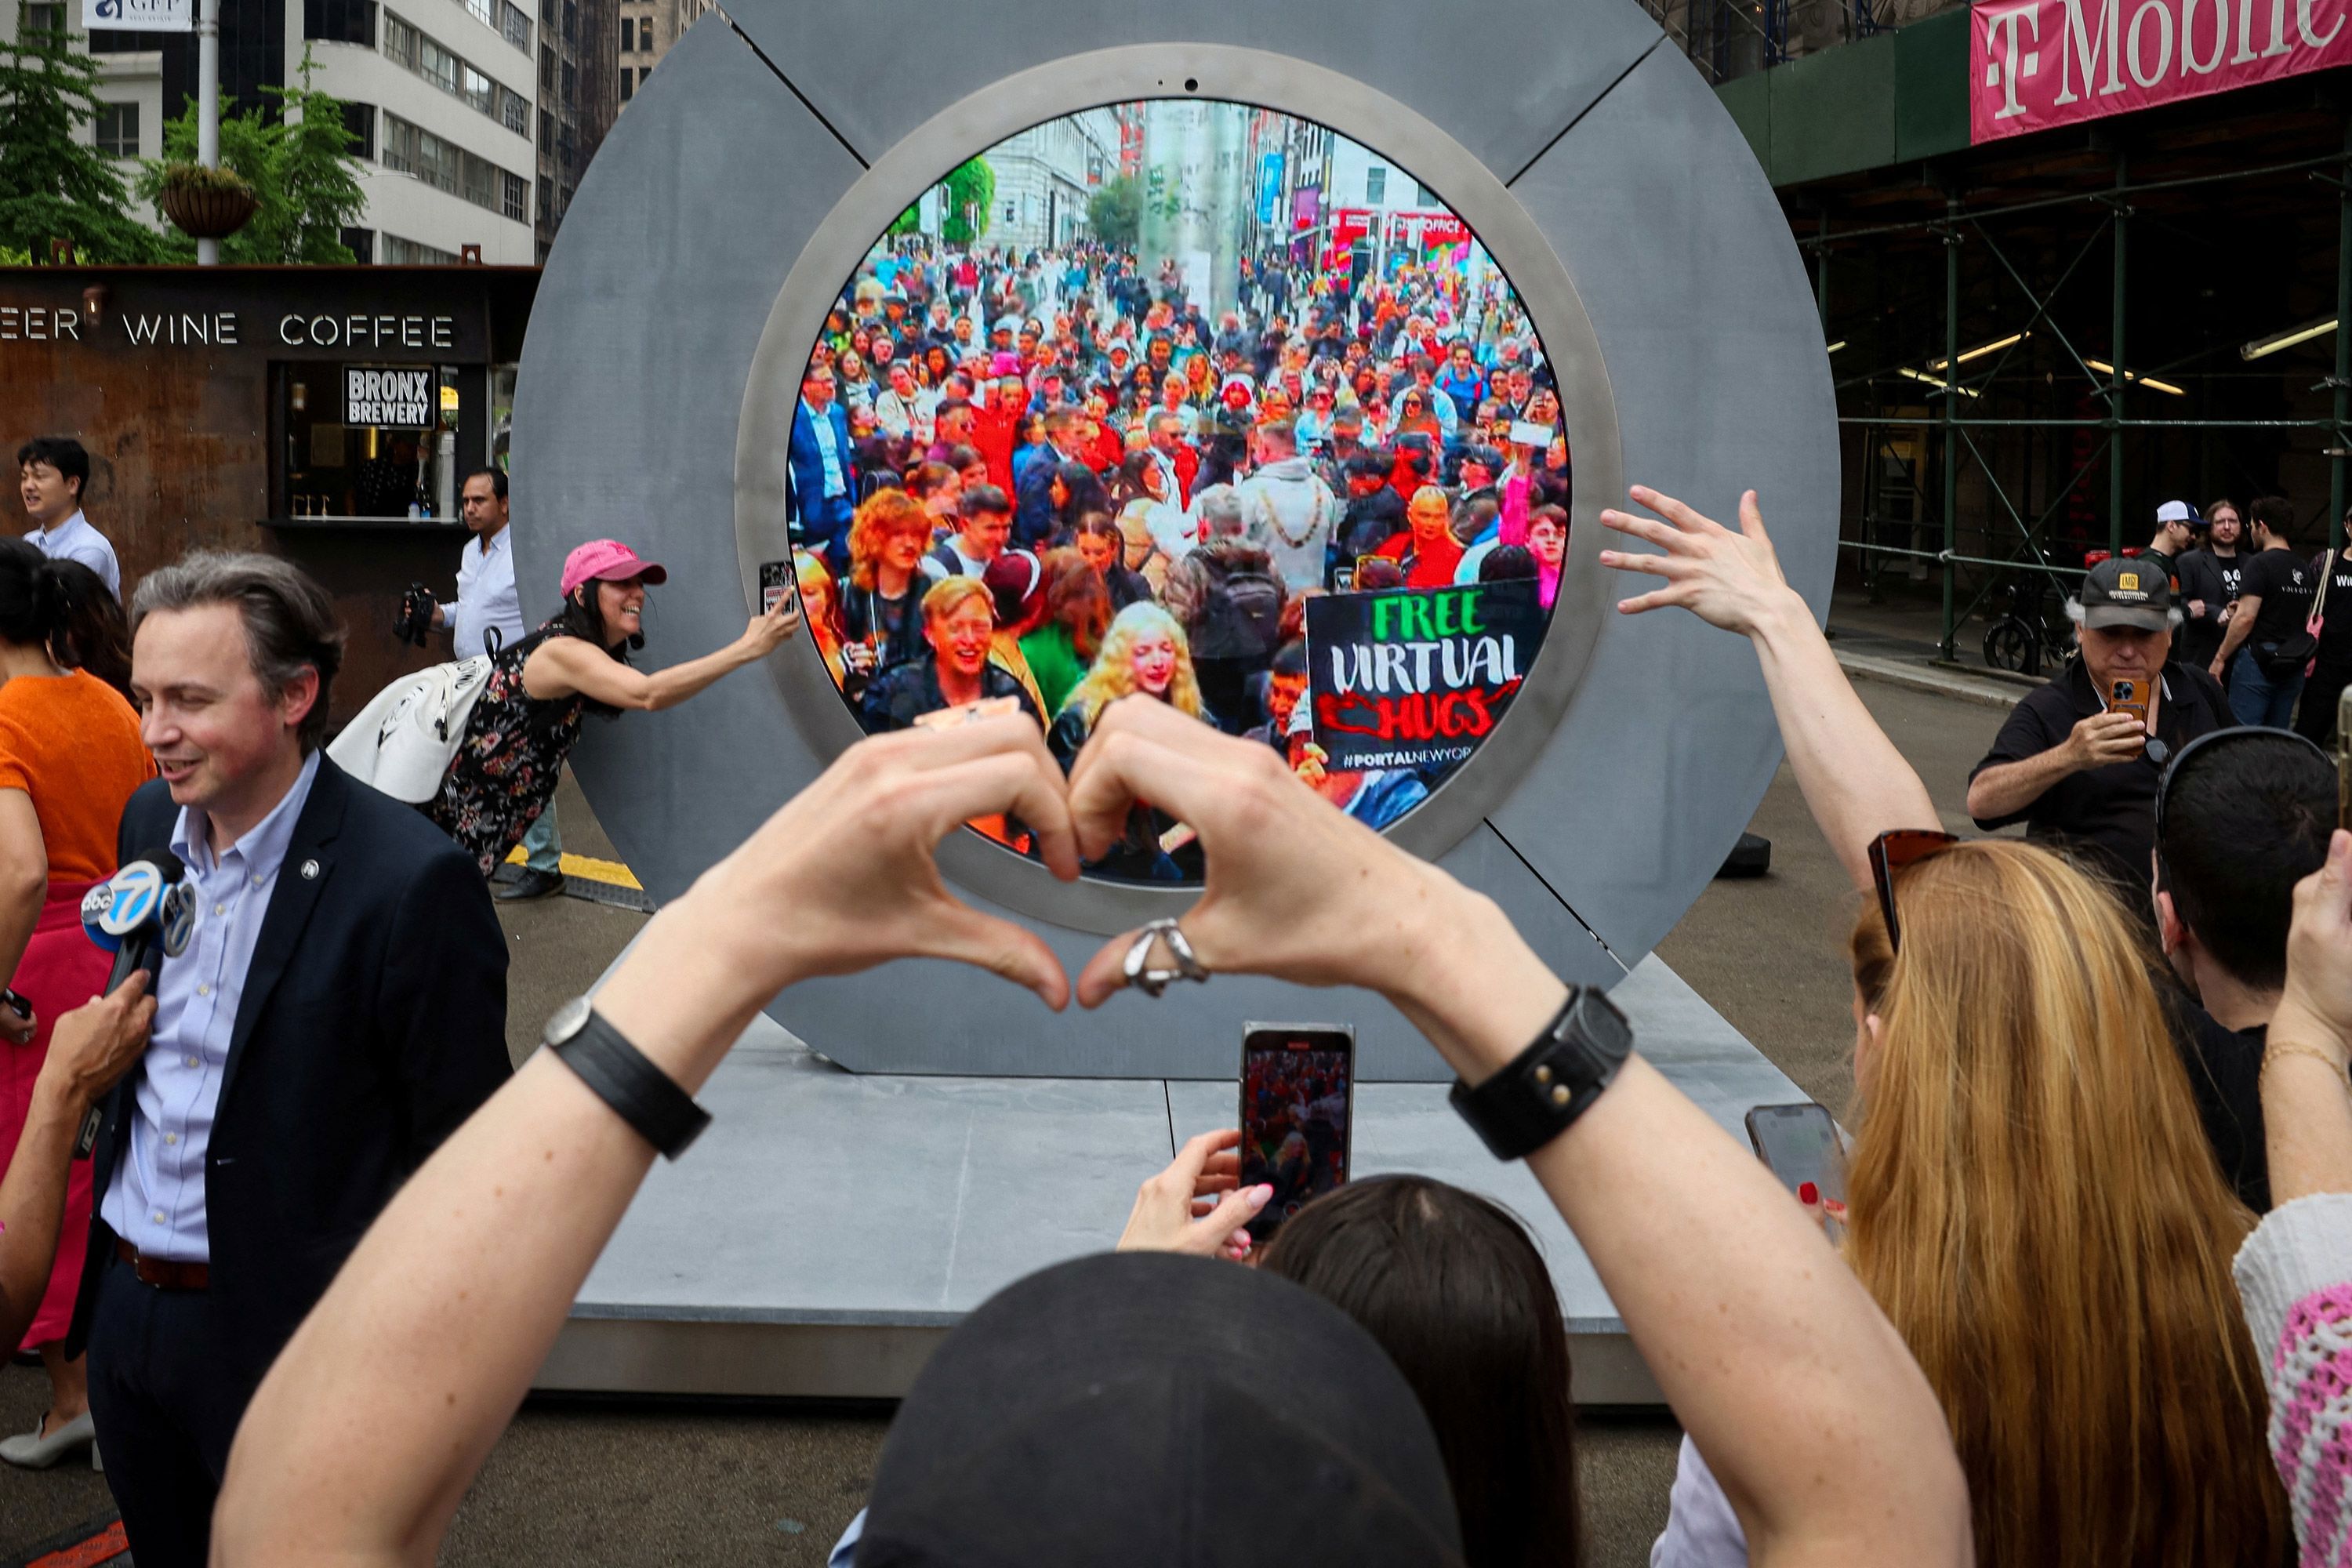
207, 203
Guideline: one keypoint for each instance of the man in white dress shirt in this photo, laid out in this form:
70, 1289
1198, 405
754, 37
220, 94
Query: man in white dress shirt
52, 472
486, 616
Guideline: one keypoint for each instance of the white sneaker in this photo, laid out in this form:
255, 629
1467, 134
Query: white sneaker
31, 1451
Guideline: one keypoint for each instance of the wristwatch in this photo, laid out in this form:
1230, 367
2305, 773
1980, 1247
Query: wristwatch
640, 1093
1551, 1083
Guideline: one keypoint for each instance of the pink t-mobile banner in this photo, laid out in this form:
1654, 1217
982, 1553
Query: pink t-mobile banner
2035, 64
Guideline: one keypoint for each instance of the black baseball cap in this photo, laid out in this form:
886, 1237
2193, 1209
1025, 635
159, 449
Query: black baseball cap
1146, 1410
2123, 590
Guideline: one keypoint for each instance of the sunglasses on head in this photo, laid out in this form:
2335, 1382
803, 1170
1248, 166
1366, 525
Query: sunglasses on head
1898, 851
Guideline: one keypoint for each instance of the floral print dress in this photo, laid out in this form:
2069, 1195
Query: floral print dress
505, 769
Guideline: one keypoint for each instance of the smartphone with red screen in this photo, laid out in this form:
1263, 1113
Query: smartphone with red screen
1297, 1115
1798, 1143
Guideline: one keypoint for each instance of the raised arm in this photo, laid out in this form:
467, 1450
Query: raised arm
89, 1048
434, 1327
1824, 1434
1856, 782
2306, 1110
560, 667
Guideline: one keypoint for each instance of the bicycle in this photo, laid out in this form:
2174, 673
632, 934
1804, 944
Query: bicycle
2021, 640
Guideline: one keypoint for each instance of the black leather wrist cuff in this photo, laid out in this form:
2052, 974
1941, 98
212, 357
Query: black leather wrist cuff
1551, 1083
640, 1093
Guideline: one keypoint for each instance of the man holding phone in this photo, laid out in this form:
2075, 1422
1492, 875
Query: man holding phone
2071, 764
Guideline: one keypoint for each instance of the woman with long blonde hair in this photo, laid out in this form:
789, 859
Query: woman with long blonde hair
2032, 1200
2036, 1207
1145, 653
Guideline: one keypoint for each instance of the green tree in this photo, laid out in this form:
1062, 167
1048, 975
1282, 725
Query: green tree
970, 187
1116, 212
53, 185
299, 163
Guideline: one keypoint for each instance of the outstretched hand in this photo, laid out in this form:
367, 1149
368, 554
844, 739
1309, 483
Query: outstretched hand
1197, 1204
1726, 579
842, 878
771, 630
1294, 888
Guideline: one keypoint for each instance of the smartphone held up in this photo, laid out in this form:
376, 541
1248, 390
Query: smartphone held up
1801, 1145
1297, 1114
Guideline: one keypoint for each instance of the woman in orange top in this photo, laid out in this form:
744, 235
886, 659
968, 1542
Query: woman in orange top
69, 757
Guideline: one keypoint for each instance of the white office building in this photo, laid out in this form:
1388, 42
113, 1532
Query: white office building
1044, 177
441, 94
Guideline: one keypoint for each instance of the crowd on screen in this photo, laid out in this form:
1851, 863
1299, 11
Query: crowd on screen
1148, 495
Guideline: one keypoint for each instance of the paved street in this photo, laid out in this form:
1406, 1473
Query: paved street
614, 1482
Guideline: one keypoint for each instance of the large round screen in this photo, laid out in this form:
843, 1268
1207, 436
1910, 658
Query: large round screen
1191, 402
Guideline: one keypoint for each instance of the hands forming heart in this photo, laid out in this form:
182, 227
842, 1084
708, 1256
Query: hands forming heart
843, 878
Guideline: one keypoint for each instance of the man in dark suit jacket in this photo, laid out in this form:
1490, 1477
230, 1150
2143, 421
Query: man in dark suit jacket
823, 493
1035, 520
339, 1009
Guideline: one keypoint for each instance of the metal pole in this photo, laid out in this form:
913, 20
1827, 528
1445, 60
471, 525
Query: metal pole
2335, 474
1821, 281
208, 105
2116, 380
1951, 414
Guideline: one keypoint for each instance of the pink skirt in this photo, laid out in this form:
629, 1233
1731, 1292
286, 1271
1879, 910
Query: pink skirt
62, 968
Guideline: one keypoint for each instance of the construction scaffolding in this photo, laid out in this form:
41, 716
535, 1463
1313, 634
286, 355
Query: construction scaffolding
2034, 345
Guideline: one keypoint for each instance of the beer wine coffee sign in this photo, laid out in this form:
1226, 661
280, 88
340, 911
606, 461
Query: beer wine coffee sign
403, 397
1417, 676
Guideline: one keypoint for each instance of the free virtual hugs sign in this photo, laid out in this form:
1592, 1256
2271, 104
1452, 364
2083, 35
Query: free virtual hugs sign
1417, 676
2036, 64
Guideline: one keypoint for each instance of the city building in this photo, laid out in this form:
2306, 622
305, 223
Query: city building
1044, 177
648, 28
579, 93
440, 94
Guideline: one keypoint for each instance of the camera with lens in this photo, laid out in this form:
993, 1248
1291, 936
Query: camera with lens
414, 623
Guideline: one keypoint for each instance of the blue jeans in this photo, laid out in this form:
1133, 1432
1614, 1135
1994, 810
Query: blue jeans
2257, 697
542, 842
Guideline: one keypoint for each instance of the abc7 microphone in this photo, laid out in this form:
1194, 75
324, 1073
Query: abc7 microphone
142, 914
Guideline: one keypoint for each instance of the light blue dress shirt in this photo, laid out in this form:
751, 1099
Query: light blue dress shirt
156, 1201
486, 597
76, 540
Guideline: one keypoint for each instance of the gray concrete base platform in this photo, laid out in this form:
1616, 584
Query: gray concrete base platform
830, 1227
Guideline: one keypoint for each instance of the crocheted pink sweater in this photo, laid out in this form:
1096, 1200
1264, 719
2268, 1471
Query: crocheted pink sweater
2295, 1281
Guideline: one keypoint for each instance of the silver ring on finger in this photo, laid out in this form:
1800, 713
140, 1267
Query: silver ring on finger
1152, 981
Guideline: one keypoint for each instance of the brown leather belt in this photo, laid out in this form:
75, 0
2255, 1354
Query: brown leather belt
162, 1272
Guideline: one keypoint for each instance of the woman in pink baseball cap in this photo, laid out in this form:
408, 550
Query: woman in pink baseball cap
527, 718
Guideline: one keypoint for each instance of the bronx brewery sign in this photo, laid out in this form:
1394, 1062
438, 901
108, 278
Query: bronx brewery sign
138, 15
400, 398
2035, 64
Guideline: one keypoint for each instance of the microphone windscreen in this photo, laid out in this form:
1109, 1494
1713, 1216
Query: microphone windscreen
164, 860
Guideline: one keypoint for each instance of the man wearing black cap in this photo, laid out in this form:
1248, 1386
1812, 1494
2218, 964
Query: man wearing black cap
2071, 764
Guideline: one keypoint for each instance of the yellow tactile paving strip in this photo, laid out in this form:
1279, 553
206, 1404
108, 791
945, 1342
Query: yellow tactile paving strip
611, 872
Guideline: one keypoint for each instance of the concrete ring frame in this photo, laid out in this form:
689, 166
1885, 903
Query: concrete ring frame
731, 201
1306, 91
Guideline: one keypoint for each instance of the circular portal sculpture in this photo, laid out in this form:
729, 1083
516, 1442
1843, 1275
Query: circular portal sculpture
715, 228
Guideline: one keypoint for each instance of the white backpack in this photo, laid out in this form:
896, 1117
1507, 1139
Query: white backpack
402, 740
